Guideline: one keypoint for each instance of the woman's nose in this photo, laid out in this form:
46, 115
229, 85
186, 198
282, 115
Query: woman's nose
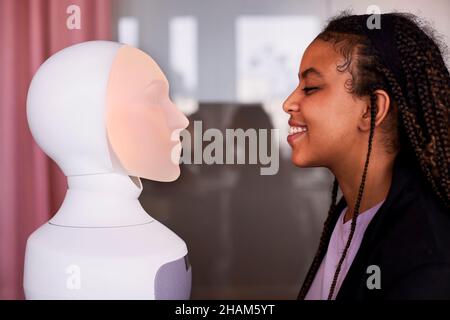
290, 105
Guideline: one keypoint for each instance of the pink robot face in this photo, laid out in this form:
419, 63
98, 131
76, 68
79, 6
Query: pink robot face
143, 124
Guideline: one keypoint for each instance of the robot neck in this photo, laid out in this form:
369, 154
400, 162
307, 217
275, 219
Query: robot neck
102, 200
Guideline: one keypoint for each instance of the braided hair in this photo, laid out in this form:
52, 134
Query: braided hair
417, 122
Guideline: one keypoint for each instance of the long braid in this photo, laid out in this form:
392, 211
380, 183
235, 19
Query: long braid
322, 245
373, 112
427, 105
416, 141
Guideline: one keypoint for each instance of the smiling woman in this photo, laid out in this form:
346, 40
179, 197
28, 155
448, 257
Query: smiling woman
375, 105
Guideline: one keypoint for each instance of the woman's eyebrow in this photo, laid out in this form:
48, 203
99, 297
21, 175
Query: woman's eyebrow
309, 71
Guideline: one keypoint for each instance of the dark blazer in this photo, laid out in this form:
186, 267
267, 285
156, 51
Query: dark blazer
408, 239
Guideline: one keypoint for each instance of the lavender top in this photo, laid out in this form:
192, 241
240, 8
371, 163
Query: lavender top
321, 285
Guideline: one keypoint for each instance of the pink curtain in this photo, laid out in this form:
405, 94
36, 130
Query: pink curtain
31, 185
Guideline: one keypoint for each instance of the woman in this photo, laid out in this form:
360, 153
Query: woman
372, 105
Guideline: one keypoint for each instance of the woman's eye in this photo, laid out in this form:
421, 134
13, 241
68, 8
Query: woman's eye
309, 90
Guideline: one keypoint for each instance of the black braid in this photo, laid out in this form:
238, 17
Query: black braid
373, 112
326, 233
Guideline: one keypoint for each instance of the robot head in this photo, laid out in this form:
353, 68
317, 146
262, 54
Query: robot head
100, 106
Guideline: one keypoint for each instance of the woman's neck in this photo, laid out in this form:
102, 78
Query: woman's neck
377, 183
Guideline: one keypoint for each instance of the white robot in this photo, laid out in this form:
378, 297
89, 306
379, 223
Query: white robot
101, 110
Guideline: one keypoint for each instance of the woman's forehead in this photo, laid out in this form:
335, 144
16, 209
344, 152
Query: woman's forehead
321, 58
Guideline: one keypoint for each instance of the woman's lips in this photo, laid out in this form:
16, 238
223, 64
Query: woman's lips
296, 130
294, 136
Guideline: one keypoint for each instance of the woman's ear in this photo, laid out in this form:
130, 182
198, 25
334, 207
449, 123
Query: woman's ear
383, 103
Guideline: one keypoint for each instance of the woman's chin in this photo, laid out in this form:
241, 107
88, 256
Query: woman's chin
298, 160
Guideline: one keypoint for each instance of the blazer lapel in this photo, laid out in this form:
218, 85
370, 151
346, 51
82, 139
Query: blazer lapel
402, 179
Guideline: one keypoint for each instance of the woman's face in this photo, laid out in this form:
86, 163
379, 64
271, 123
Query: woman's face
330, 113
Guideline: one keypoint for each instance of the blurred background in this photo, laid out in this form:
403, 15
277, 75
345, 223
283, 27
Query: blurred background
230, 64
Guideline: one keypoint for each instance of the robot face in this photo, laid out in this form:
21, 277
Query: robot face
143, 124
